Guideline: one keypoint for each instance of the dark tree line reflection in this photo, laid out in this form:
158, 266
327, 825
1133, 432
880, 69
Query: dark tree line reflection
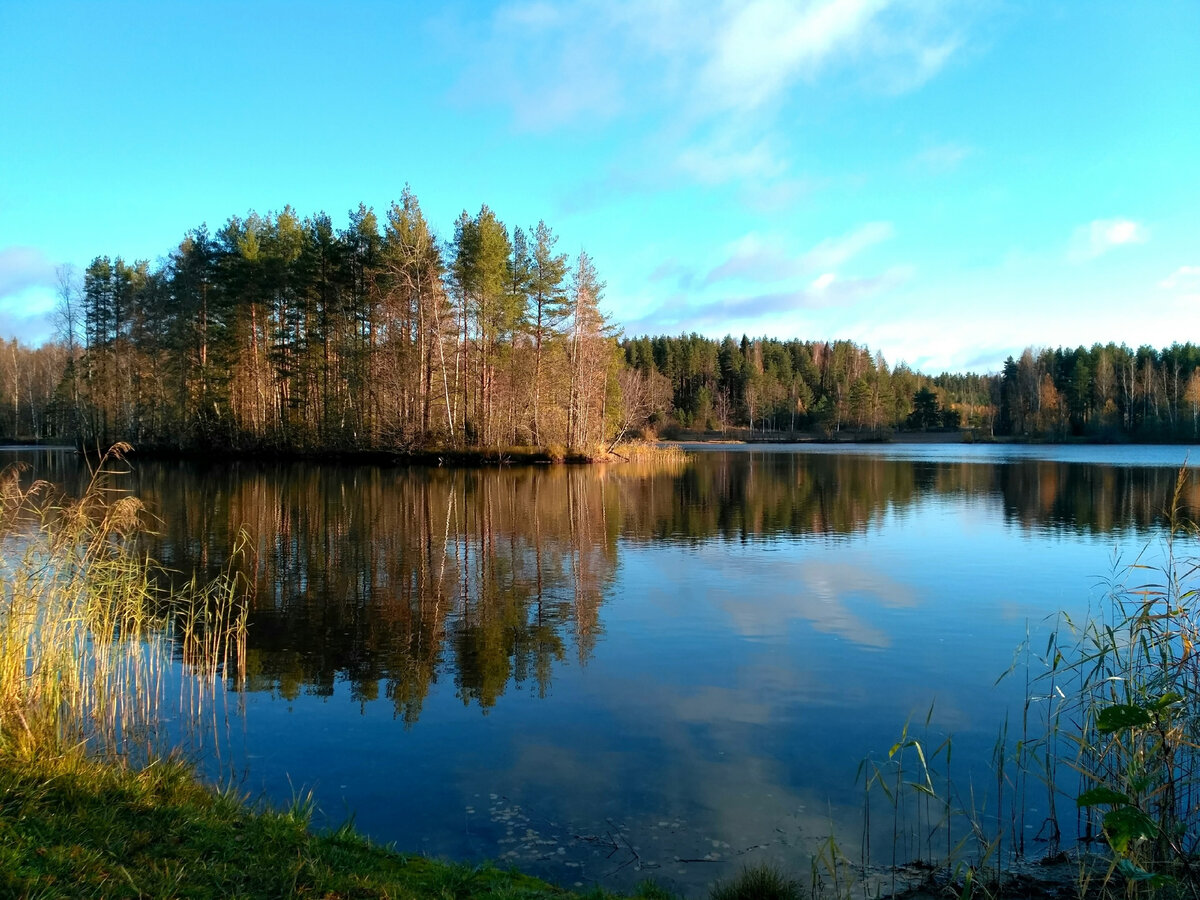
755, 495
394, 579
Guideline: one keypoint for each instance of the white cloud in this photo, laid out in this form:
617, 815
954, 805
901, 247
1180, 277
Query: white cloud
767, 259
703, 82
943, 157
1185, 278
28, 279
752, 311
832, 253
1183, 285
765, 45
753, 257
22, 268
1102, 235
532, 16
718, 164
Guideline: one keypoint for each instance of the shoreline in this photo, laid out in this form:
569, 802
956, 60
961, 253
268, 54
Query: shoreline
676, 441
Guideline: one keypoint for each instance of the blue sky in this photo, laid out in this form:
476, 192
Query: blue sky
946, 182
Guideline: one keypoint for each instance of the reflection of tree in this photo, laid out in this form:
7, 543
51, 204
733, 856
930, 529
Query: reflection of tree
749, 494
391, 579
746, 495
1089, 498
398, 577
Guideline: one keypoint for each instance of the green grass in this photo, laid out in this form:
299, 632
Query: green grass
75, 827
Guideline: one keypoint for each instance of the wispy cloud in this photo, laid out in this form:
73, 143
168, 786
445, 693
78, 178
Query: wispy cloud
1184, 286
764, 46
27, 281
541, 63
709, 78
753, 257
22, 268
1185, 278
716, 164
766, 259
685, 312
673, 269
1102, 235
832, 253
942, 158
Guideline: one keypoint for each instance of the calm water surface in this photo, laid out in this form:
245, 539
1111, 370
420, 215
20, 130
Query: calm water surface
607, 674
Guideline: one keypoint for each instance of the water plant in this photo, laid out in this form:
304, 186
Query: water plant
759, 882
86, 631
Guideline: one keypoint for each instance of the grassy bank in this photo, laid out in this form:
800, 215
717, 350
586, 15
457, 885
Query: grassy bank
77, 827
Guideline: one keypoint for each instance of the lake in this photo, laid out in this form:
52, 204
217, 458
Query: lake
603, 674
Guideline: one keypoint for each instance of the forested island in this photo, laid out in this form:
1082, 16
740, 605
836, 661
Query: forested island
283, 334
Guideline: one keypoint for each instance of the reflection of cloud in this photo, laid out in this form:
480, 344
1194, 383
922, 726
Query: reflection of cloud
1102, 235
821, 597
673, 796
731, 705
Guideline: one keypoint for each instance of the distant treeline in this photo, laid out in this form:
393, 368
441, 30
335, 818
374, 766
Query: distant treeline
768, 385
282, 333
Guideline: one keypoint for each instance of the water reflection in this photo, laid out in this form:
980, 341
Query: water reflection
690, 661
394, 578
759, 494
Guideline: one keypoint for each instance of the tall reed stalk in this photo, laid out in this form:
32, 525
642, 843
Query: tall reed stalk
85, 633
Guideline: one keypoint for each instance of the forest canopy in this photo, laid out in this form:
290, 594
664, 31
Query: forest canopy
283, 333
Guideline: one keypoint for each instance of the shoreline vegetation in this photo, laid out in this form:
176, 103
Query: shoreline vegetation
277, 333
669, 447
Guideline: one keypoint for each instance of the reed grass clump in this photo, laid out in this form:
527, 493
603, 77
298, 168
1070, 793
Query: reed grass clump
650, 452
86, 633
760, 882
